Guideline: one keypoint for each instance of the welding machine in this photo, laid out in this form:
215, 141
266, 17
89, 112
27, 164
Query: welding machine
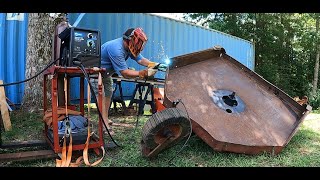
80, 45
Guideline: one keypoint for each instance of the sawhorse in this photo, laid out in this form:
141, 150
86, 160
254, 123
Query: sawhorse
142, 101
139, 87
120, 99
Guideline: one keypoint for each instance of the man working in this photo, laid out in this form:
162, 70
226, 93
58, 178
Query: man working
114, 54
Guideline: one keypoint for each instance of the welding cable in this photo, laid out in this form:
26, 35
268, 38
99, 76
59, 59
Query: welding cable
138, 108
137, 121
96, 101
137, 117
169, 162
134, 129
8, 84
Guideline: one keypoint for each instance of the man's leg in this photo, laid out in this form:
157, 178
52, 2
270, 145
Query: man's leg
106, 100
104, 110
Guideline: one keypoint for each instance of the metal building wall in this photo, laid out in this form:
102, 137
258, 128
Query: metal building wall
13, 43
166, 38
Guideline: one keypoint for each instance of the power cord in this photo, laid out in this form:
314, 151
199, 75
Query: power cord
176, 103
82, 68
137, 121
140, 103
18, 82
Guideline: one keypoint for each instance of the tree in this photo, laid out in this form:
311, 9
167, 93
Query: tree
285, 45
41, 28
316, 66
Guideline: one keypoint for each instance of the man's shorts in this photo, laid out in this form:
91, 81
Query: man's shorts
107, 84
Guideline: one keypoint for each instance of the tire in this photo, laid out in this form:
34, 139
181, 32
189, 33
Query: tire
172, 119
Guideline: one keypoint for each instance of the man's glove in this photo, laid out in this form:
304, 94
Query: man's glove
146, 73
158, 66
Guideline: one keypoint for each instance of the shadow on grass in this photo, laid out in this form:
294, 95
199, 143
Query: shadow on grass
301, 151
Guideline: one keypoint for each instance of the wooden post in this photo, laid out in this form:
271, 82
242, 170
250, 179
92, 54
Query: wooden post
4, 109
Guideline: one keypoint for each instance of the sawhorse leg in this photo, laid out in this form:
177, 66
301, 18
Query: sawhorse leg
137, 101
121, 100
134, 94
124, 107
140, 101
112, 98
151, 102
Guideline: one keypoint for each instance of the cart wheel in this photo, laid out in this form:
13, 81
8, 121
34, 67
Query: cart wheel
168, 122
144, 149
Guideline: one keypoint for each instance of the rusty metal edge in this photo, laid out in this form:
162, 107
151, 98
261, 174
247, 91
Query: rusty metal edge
300, 111
230, 147
32, 143
27, 155
298, 123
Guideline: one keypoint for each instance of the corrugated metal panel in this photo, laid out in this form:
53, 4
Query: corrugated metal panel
13, 31
167, 38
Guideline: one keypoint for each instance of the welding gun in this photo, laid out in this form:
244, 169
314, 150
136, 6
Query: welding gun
160, 67
153, 67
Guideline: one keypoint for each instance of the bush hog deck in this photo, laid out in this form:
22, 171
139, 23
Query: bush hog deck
231, 108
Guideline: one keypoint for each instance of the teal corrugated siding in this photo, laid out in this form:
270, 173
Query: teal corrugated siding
167, 38
13, 43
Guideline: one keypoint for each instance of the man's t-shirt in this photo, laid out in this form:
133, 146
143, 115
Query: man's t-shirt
114, 56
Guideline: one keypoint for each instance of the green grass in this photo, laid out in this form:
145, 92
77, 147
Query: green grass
25, 126
302, 150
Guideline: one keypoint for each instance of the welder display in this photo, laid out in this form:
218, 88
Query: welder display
80, 45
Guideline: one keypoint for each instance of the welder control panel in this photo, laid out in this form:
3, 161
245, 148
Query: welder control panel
85, 42
85, 47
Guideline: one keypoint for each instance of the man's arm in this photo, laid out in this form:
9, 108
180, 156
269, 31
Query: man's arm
143, 74
140, 59
128, 73
144, 62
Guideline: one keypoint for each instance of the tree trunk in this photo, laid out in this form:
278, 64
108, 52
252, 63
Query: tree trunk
316, 67
41, 28
257, 39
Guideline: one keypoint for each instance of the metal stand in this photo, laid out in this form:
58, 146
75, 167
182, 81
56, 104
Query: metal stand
71, 72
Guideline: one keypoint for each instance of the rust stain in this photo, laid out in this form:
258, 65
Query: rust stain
270, 117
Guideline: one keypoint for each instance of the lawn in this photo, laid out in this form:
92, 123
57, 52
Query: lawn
302, 150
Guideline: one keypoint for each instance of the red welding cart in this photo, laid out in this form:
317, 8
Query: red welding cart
55, 75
